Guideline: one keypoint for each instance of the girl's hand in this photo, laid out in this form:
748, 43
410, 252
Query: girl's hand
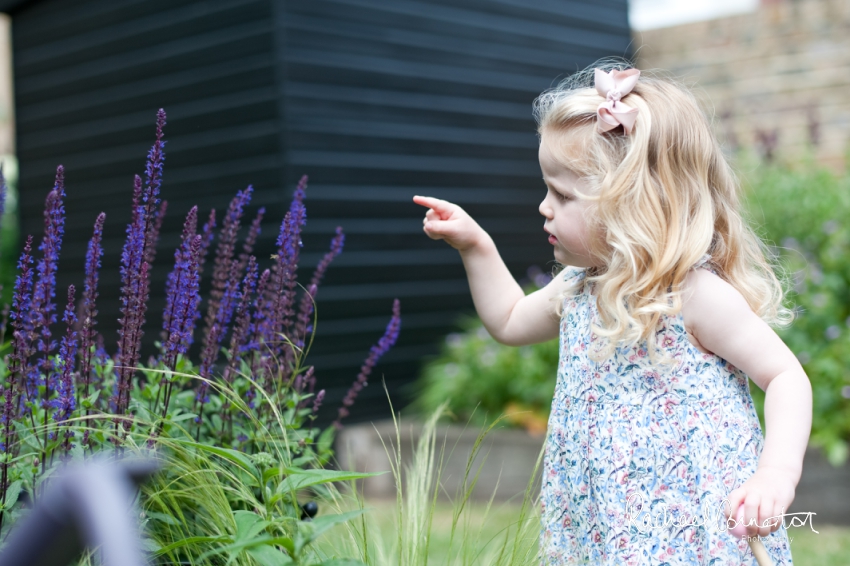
766, 496
449, 222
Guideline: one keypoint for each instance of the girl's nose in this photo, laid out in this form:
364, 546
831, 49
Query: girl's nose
545, 209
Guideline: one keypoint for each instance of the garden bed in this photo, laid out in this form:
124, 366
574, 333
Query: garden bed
507, 459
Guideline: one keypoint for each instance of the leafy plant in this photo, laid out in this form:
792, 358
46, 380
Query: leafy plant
237, 424
802, 211
480, 379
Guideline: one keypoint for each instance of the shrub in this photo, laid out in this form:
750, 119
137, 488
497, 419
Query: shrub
802, 212
238, 430
480, 379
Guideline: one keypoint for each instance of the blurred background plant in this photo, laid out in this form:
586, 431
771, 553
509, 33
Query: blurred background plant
802, 211
480, 379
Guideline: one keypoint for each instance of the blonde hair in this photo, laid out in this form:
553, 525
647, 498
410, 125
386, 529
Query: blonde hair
663, 196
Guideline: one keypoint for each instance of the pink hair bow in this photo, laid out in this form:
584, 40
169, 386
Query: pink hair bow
614, 86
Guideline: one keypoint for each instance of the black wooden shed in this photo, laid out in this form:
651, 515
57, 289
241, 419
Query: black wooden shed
376, 100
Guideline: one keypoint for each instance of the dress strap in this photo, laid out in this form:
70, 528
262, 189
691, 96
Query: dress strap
704, 261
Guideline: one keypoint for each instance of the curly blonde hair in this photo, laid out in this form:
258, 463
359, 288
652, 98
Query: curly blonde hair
663, 196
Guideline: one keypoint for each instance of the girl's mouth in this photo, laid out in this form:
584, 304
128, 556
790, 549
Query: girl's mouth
553, 240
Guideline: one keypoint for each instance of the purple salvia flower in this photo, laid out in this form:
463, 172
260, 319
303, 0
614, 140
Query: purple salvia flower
224, 270
89, 307
153, 167
384, 344
186, 300
320, 396
139, 245
289, 245
306, 307
66, 400
153, 238
173, 282
44, 291
251, 240
183, 298
207, 235
242, 327
21, 336
259, 321
153, 182
217, 331
134, 274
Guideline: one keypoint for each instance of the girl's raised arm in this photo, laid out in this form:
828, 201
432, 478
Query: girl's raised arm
510, 316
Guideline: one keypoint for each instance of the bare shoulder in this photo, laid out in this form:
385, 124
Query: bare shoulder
707, 296
719, 319
709, 304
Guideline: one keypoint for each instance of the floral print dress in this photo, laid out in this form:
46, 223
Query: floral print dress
639, 457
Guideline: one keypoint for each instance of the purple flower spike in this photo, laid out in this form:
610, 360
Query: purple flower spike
89, 308
320, 396
153, 238
66, 401
134, 279
183, 296
44, 292
224, 314
306, 307
177, 276
223, 270
153, 167
242, 327
251, 240
207, 235
22, 334
260, 322
184, 299
384, 344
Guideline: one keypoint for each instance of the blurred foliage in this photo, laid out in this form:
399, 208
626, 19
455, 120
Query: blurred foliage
9, 249
483, 379
803, 212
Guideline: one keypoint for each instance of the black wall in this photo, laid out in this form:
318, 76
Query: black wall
376, 100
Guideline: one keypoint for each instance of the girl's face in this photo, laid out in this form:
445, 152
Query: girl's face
566, 215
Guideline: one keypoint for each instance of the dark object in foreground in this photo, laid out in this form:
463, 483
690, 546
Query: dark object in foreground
84, 506
309, 510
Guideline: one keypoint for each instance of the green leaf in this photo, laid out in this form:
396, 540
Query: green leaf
326, 439
299, 479
341, 562
183, 417
187, 541
234, 456
268, 556
12, 494
248, 524
163, 518
89, 401
236, 547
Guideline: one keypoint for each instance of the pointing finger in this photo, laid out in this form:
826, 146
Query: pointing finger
441, 207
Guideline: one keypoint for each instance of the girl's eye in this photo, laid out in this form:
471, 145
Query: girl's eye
563, 197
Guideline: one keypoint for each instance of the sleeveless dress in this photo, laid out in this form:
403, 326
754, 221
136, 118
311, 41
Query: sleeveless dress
639, 458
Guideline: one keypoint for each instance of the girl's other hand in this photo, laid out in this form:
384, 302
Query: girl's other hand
765, 496
449, 222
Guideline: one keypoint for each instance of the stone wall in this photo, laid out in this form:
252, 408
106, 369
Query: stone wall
777, 79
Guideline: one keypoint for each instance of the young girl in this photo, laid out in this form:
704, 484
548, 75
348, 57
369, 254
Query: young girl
663, 310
